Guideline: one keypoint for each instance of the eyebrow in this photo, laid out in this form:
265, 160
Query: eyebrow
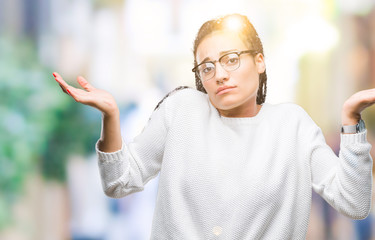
221, 53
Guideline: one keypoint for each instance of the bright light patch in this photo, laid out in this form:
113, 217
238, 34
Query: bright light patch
313, 34
233, 23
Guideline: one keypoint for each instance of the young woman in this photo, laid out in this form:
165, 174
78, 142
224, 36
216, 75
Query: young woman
232, 166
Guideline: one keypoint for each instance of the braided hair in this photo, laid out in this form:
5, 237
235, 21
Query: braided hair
250, 37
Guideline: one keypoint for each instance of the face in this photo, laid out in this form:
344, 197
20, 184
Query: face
233, 91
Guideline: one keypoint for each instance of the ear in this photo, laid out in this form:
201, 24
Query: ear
259, 61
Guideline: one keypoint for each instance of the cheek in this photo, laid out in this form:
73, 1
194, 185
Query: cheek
254, 84
209, 87
248, 78
250, 83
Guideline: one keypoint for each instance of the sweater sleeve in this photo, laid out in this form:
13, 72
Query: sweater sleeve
345, 182
129, 169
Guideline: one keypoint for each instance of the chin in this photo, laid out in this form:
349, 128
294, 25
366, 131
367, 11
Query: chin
227, 105
232, 102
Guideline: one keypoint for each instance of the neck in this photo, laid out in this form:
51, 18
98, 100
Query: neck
241, 112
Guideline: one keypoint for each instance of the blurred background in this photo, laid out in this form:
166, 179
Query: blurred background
318, 53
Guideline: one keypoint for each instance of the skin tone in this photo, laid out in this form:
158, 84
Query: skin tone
352, 108
232, 93
241, 100
110, 140
238, 99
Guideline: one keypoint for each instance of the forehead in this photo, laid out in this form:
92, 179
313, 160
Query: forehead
219, 41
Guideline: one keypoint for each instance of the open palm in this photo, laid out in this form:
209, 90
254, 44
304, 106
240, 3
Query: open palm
356, 104
89, 95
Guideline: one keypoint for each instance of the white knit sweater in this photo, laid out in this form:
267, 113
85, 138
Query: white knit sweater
238, 178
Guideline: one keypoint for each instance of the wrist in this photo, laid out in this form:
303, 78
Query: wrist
351, 129
112, 114
348, 119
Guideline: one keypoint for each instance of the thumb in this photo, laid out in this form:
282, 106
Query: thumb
84, 83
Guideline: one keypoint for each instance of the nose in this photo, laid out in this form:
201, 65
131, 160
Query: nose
221, 74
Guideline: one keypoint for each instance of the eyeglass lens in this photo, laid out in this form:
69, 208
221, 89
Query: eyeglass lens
229, 62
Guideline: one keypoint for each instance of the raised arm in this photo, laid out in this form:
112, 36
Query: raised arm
352, 108
110, 140
345, 182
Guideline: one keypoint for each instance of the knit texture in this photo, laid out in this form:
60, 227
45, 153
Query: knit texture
238, 178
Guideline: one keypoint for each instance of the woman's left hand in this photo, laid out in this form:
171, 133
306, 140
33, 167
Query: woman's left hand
352, 108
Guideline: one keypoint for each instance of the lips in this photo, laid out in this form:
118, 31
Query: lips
224, 89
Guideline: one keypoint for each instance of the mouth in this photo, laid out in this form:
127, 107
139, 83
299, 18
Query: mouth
224, 89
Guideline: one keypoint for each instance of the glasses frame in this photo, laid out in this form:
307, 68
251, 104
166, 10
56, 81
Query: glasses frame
239, 53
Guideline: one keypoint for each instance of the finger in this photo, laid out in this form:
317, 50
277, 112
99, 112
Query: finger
60, 80
368, 96
372, 94
78, 95
63, 89
84, 83
72, 93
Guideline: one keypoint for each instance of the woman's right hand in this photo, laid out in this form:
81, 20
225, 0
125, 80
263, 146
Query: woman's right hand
97, 98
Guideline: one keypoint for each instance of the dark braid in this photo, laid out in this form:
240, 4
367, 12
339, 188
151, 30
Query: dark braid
168, 94
250, 37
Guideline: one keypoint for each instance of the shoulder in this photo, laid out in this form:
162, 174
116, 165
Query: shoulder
186, 93
289, 111
293, 118
182, 96
288, 107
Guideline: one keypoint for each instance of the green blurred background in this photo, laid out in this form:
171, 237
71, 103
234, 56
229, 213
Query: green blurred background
318, 53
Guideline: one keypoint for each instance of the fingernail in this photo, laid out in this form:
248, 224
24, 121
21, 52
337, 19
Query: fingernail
54, 74
68, 92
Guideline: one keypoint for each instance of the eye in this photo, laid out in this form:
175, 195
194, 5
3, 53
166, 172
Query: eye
206, 68
230, 59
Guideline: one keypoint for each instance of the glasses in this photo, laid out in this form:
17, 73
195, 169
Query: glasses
229, 61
